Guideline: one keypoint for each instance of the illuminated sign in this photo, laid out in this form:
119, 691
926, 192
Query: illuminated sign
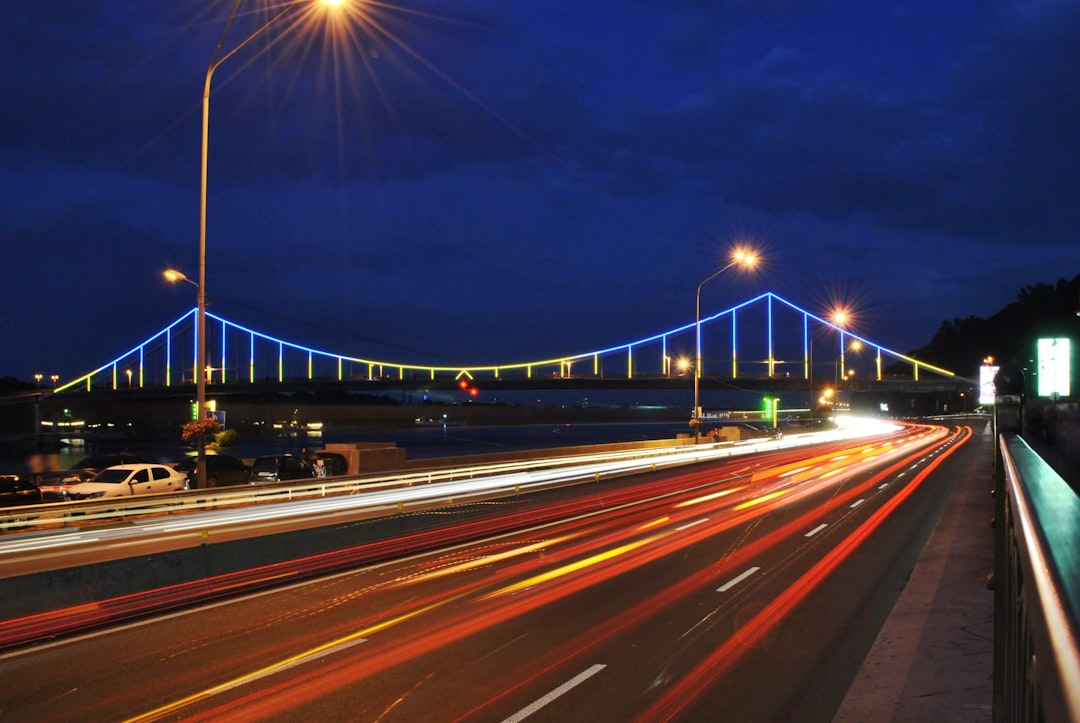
987, 392
1054, 367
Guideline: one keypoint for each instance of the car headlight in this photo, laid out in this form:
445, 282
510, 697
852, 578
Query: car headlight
88, 495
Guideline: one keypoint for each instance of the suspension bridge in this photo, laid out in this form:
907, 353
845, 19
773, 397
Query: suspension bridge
765, 338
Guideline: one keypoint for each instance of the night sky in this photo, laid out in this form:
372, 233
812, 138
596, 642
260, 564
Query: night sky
493, 181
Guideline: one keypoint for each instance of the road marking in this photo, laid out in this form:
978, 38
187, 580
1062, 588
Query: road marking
883, 486
736, 580
816, 530
541, 702
856, 503
688, 525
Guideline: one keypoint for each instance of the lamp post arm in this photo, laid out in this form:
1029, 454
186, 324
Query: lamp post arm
709, 278
697, 319
216, 62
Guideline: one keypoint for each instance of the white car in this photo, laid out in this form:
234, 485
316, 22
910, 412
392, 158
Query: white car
125, 480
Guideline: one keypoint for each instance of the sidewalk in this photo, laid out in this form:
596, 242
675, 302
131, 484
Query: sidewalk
933, 659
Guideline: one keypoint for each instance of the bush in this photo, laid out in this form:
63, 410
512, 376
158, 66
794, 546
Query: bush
226, 438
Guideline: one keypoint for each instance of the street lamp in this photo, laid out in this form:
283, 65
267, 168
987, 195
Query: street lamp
841, 365
38, 378
838, 317
739, 257
216, 60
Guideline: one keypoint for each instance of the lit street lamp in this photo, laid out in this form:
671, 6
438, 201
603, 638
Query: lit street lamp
838, 317
38, 378
200, 337
740, 257
841, 365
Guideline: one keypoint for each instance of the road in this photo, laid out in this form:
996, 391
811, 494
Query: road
748, 589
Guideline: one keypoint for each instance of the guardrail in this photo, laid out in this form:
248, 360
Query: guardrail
88, 513
1036, 588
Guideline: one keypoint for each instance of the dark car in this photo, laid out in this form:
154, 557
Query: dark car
54, 485
16, 491
329, 464
279, 467
221, 470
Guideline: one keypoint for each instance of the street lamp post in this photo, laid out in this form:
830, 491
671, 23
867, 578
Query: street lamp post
740, 257
200, 337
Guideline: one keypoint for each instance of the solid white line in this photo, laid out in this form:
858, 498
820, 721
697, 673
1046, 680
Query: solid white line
816, 530
736, 580
856, 503
688, 525
541, 702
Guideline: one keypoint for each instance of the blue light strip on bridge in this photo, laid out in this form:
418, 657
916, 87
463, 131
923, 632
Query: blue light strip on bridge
560, 362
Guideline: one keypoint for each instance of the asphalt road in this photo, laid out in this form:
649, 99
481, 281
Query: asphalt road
747, 590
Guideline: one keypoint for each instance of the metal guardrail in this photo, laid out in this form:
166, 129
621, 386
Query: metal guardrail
1036, 588
87, 513
60, 516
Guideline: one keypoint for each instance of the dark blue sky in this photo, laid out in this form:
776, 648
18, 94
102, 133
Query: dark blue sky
489, 182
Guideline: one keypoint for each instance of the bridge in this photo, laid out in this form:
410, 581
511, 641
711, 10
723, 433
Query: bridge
763, 341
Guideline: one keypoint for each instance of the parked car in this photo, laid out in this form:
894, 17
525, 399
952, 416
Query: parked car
17, 490
125, 480
221, 470
279, 467
54, 486
331, 464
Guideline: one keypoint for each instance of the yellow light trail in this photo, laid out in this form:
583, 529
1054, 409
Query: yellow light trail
713, 496
488, 559
759, 500
572, 567
308, 655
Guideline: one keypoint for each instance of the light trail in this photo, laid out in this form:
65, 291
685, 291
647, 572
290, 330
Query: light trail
578, 565
680, 695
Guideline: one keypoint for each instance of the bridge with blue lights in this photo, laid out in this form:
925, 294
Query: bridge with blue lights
764, 339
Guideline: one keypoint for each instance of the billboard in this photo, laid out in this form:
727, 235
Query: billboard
1054, 359
987, 392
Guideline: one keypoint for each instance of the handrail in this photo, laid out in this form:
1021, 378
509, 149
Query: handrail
1037, 589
